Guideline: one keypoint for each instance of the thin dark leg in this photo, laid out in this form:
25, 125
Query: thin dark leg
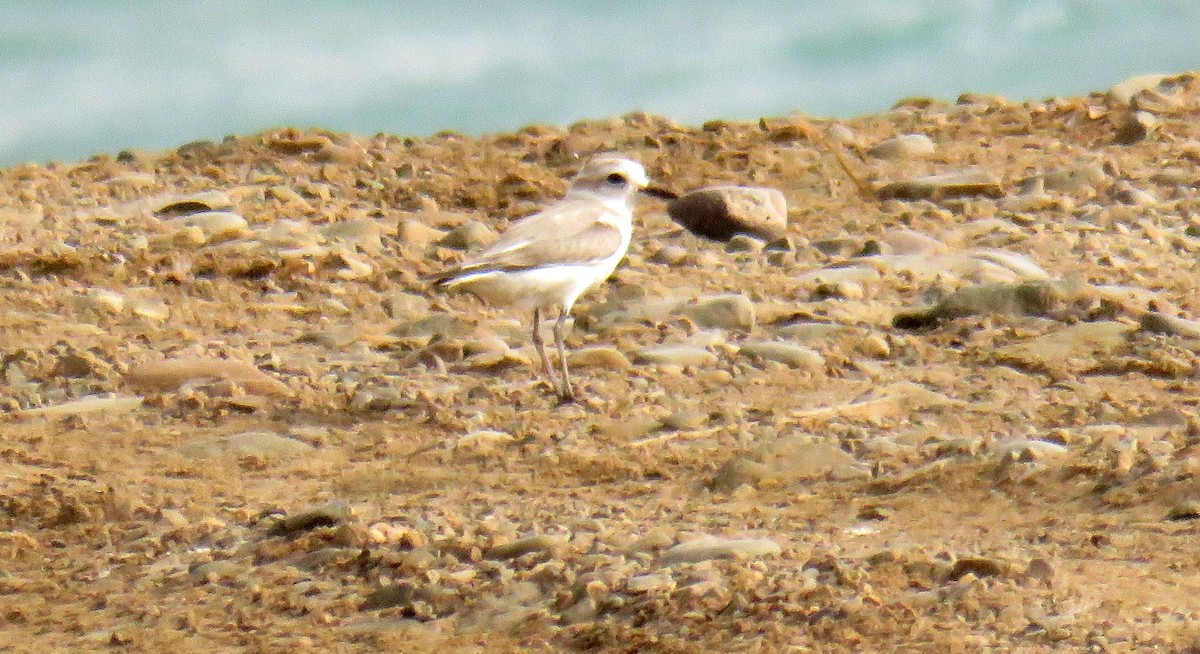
541, 348
565, 391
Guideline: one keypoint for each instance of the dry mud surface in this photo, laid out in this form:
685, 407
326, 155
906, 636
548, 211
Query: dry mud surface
956, 415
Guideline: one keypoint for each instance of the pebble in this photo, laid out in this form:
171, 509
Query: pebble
670, 254
1035, 298
483, 440
721, 212
211, 225
600, 356
87, 404
966, 183
401, 305
741, 243
418, 234
326, 515
789, 354
249, 443
1071, 349
1074, 179
363, 233
1161, 323
678, 355
172, 205
813, 332
732, 311
470, 235
170, 374
1019, 264
906, 146
1188, 510
538, 544
706, 548
908, 241
787, 460
651, 583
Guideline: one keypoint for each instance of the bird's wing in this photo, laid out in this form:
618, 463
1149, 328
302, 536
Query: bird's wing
565, 233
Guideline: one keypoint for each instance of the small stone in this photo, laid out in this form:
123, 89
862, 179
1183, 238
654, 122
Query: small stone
1160, 323
170, 206
678, 355
744, 243
706, 548
651, 583
604, 357
670, 254
401, 595
538, 544
841, 246
787, 460
150, 309
418, 234
212, 225
471, 235
875, 346
406, 306
483, 440
1072, 349
1189, 510
907, 146
1072, 180
978, 566
363, 233
789, 354
813, 332
170, 374
732, 311
87, 404
1033, 298
908, 241
965, 183
249, 443
720, 212
327, 515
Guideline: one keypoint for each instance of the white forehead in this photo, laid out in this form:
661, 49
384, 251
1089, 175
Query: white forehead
605, 165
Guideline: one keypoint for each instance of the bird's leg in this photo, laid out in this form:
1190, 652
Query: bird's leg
565, 392
541, 348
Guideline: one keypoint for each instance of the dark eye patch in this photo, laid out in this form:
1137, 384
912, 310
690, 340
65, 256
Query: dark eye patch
615, 178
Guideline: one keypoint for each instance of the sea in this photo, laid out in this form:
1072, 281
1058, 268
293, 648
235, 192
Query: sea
81, 77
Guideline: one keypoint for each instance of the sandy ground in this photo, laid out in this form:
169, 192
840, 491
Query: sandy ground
948, 416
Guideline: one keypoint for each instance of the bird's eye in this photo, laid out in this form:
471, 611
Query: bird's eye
615, 179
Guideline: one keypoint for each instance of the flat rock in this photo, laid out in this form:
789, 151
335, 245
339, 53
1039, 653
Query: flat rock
721, 212
706, 548
608, 358
1046, 299
678, 355
732, 311
964, 183
788, 460
1072, 349
789, 354
905, 146
88, 404
170, 374
249, 443
471, 235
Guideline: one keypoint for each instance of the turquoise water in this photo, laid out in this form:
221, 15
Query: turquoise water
81, 77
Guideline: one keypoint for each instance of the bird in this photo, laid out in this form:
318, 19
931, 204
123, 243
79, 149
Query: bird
547, 260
